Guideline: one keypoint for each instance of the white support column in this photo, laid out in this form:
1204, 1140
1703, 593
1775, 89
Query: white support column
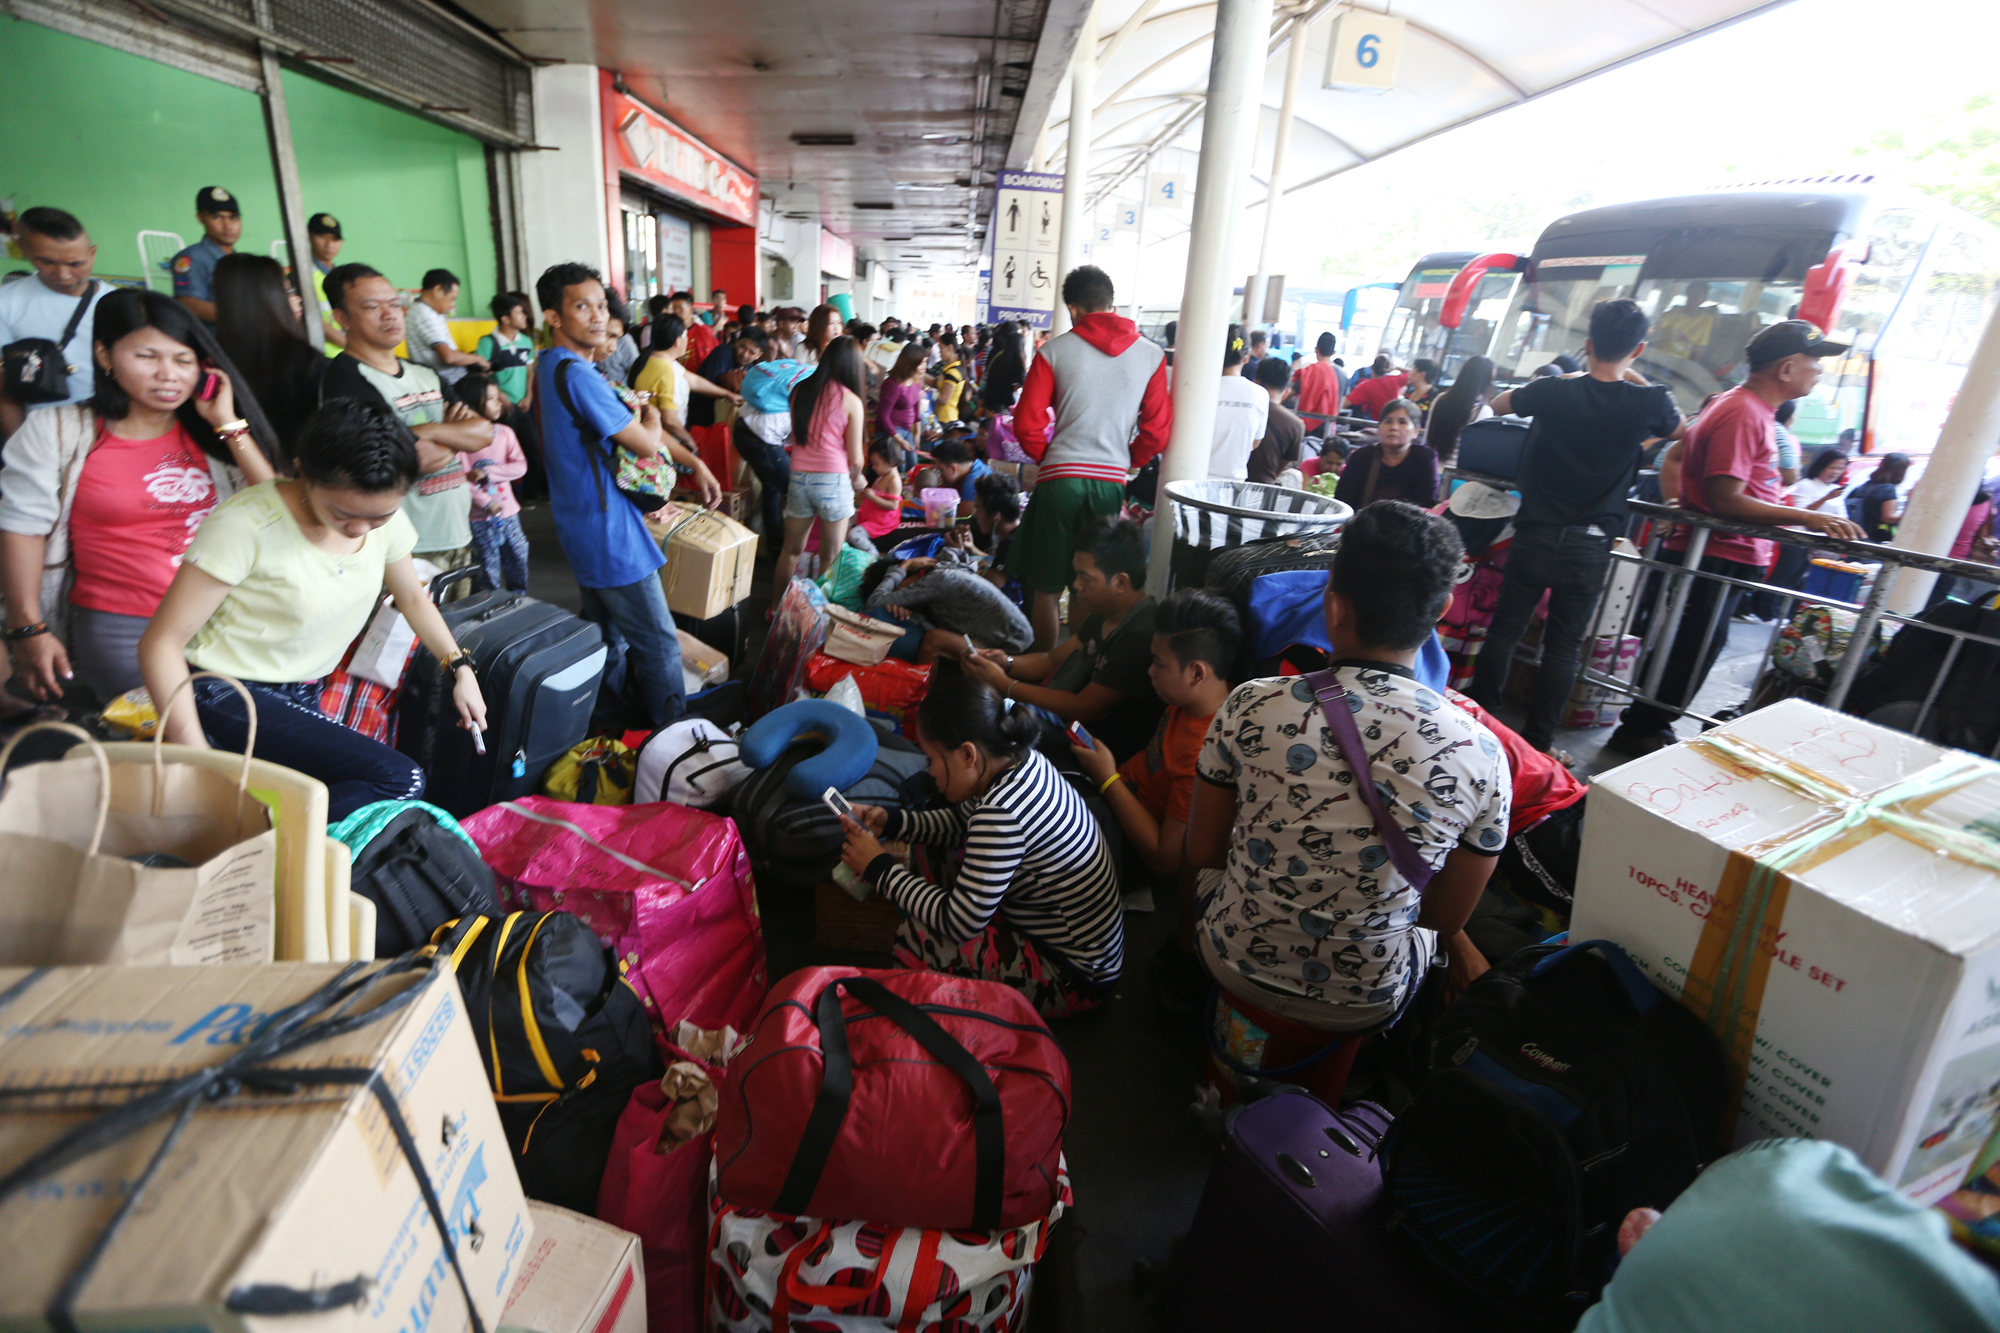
1139, 237
1076, 165
1295, 60
1965, 445
1229, 124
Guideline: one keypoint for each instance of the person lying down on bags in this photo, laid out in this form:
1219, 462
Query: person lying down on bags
1035, 905
277, 582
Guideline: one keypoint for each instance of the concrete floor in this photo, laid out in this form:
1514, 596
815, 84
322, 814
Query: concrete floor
1137, 1155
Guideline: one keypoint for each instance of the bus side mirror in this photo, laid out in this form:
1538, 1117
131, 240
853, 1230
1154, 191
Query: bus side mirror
1458, 297
1826, 288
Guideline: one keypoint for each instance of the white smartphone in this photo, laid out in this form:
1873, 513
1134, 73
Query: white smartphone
839, 804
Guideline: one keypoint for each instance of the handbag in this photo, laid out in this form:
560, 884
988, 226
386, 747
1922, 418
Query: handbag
909, 1099
36, 370
141, 864
646, 482
862, 640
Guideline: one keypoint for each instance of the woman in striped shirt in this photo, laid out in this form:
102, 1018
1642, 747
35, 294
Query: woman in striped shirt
1035, 904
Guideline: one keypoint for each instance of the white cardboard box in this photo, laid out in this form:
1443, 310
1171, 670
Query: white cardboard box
301, 1191
1869, 986
580, 1276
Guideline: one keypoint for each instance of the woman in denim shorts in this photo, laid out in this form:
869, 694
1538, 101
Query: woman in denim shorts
826, 457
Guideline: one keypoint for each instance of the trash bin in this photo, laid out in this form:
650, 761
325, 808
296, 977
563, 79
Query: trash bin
1211, 514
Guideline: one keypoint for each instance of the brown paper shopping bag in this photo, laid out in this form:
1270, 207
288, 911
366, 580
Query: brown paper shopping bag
157, 863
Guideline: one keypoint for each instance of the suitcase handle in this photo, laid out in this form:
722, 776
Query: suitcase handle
837, 1088
442, 583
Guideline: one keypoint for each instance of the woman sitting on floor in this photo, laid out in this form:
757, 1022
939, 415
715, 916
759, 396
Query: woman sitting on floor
1035, 904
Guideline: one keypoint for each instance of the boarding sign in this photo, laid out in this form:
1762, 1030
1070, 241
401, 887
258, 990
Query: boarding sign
1027, 236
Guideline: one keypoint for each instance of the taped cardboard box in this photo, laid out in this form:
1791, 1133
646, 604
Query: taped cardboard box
711, 560
265, 1199
1826, 894
580, 1276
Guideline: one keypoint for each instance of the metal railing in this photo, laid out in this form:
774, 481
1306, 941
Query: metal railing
1665, 586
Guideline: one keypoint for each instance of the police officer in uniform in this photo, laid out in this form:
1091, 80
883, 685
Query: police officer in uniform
323, 230
194, 268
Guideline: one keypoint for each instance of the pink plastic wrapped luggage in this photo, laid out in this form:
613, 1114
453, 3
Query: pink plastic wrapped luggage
665, 886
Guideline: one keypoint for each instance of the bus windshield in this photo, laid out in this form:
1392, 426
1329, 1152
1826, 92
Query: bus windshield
1413, 329
1700, 325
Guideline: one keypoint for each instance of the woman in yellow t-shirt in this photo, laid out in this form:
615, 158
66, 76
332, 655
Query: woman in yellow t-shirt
279, 579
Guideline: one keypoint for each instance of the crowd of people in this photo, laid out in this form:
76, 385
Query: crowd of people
210, 492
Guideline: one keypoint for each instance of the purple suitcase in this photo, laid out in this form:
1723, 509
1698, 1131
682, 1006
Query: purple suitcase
1292, 1232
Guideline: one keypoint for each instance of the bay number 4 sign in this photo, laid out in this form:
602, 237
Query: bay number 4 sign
1362, 56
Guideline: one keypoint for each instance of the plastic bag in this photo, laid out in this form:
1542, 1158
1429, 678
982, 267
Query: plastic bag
848, 695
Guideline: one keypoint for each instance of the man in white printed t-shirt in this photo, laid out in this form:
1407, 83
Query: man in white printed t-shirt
1242, 411
1311, 920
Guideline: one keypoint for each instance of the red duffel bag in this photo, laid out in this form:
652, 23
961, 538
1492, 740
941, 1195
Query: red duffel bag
912, 1099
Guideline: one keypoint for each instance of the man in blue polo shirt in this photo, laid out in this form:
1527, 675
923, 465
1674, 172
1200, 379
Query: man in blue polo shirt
221, 219
611, 551
61, 296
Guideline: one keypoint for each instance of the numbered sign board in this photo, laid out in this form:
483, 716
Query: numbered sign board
1170, 190
1126, 218
1362, 57
1027, 235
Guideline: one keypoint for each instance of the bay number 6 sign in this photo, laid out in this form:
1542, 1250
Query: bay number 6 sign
1362, 57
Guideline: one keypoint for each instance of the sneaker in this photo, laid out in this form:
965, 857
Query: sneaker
1638, 741
1180, 982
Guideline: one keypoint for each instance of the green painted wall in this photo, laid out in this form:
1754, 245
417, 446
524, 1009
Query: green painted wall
124, 143
410, 194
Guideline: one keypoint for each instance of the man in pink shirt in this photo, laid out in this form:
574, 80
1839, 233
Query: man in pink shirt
1727, 465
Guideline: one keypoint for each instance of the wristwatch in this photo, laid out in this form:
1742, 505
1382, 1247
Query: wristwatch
461, 658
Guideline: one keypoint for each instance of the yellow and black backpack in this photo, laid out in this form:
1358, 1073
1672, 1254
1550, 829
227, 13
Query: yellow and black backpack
564, 1040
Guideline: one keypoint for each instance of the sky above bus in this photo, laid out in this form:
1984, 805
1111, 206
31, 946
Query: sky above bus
1817, 86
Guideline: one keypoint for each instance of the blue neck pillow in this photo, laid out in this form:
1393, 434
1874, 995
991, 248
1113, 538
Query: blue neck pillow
847, 745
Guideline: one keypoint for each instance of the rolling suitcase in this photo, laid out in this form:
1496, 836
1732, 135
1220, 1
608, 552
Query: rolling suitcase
1293, 1230
539, 668
1231, 572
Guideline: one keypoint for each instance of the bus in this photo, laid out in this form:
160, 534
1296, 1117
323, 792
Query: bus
1906, 281
1415, 327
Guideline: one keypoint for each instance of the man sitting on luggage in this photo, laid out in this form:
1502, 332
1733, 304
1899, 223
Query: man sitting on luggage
1310, 920
1098, 676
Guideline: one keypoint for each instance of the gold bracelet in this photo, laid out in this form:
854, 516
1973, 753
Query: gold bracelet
1106, 786
240, 426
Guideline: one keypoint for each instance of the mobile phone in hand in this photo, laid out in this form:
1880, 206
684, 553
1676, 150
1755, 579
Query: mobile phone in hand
211, 384
1079, 737
839, 804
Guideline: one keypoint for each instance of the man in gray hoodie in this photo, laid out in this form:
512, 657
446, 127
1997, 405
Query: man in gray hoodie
1095, 405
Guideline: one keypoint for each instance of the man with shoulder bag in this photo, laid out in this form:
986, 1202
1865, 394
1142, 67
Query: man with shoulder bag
45, 322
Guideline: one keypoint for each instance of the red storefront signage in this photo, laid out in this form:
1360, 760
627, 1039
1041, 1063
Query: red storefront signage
646, 146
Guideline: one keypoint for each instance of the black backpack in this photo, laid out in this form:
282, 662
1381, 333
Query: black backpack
420, 875
563, 1038
795, 843
1965, 712
1565, 1090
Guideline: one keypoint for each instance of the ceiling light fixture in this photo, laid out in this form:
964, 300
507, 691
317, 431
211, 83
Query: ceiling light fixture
875, 205
809, 140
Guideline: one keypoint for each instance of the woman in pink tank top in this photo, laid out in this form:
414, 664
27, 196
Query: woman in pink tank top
826, 458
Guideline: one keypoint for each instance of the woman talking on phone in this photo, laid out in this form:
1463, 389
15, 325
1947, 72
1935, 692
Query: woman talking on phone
277, 583
99, 499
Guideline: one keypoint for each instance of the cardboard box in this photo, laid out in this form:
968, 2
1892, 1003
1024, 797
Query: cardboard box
580, 1276
296, 1191
734, 503
711, 559
708, 665
1813, 886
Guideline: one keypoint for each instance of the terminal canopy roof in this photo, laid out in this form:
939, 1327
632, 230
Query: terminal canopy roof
1459, 61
